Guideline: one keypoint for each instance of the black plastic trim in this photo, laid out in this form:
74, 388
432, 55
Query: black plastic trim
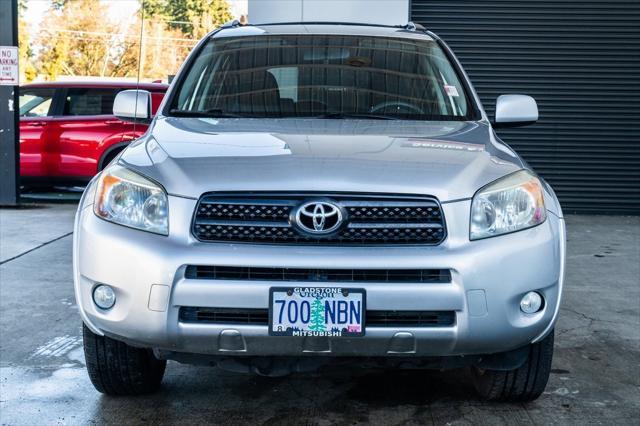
339, 275
372, 318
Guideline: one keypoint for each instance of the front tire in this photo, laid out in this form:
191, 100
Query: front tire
116, 368
524, 383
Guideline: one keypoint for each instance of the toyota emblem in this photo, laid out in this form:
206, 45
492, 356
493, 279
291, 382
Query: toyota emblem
318, 217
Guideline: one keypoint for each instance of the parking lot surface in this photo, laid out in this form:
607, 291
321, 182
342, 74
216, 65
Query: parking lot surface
595, 377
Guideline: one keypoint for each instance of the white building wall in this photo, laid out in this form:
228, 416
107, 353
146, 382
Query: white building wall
390, 12
238, 8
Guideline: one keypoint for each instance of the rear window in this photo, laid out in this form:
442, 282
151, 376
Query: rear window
89, 101
35, 102
315, 75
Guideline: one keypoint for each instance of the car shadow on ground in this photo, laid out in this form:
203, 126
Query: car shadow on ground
335, 396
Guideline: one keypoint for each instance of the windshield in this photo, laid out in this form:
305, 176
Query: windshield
323, 76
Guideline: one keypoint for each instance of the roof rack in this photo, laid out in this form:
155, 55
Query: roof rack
409, 26
356, 24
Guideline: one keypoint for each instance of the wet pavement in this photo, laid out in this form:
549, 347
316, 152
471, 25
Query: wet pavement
595, 377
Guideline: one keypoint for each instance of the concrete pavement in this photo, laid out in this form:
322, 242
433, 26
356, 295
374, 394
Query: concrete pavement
26, 228
595, 377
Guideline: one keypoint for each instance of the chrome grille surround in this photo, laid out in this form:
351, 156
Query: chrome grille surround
269, 218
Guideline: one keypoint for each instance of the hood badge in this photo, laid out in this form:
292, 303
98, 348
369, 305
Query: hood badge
318, 217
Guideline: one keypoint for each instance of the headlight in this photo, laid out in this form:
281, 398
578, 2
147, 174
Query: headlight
509, 204
126, 198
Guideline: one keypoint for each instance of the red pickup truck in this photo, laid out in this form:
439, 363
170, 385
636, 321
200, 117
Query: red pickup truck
68, 131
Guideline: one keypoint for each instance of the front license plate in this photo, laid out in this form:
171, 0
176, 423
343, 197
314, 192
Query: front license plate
316, 311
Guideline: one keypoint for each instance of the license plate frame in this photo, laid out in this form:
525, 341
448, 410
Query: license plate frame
337, 294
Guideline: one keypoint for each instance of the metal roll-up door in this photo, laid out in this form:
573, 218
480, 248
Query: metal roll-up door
580, 59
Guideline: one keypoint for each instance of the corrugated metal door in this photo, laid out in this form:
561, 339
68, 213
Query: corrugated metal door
581, 61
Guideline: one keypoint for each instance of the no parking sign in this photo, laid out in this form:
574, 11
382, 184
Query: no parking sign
8, 66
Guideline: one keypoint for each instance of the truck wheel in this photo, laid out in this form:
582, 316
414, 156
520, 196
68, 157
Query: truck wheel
525, 383
116, 368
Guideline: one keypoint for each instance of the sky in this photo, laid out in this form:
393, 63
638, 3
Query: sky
36, 10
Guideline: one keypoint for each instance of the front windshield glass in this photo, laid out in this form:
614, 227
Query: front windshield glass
323, 76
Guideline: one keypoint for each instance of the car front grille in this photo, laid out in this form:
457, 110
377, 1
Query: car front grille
365, 220
237, 273
234, 316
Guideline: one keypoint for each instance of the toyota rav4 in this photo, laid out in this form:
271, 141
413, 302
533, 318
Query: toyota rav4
318, 193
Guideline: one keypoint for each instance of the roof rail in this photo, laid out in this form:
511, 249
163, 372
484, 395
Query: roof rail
410, 26
355, 24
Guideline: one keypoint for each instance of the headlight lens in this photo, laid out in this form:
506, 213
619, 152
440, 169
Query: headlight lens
126, 198
509, 204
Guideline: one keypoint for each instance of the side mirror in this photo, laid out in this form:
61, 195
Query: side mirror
133, 105
515, 110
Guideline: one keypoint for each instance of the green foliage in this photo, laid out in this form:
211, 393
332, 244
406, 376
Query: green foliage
58, 4
27, 69
77, 38
22, 7
156, 9
71, 43
193, 17
317, 316
54, 59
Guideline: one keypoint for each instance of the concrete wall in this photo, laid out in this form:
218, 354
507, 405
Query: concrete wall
238, 8
392, 12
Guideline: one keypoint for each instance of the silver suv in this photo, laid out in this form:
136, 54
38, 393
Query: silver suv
312, 193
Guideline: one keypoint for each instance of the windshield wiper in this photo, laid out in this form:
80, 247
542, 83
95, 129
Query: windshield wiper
364, 116
210, 113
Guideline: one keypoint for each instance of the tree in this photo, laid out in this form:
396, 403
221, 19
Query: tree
195, 18
163, 50
27, 69
58, 4
54, 60
77, 39
317, 316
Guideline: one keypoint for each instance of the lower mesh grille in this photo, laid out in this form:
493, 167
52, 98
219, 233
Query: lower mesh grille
208, 272
373, 318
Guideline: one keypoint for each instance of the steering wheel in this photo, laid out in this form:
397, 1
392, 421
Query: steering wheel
395, 106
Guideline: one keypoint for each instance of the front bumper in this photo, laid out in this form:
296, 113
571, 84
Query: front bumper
489, 277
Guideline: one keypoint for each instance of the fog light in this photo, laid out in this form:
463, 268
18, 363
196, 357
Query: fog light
531, 303
104, 297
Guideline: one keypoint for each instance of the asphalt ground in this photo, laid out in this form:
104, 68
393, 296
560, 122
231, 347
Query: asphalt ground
595, 377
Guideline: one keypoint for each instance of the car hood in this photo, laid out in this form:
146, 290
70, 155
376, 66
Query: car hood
448, 160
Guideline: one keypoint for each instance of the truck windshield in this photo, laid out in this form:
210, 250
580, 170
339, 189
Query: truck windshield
321, 76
